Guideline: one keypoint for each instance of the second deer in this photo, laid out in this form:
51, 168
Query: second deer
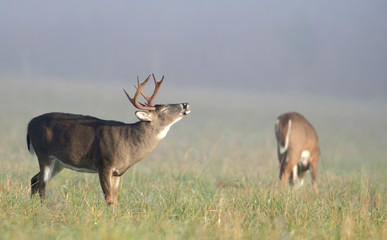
298, 149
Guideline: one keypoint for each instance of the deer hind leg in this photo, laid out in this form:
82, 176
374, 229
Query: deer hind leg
302, 173
35, 183
303, 166
49, 167
290, 168
294, 177
313, 172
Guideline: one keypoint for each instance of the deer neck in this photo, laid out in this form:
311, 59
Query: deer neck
142, 139
155, 131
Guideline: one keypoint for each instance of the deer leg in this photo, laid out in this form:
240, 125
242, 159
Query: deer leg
293, 180
38, 185
294, 157
106, 180
49, 167
283, 161
313, 174
301, 175
115, 185
35, 184
38, 182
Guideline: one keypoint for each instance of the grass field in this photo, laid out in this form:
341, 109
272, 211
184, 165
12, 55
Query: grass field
215, 176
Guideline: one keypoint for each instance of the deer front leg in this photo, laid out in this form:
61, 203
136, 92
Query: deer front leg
109, 186
115, 185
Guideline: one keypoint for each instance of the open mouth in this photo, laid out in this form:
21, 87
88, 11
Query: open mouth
186, 108
186, 112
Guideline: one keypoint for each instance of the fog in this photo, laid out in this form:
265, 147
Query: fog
313, 47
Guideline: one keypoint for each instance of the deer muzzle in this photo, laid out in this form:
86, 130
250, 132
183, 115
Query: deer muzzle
186, 108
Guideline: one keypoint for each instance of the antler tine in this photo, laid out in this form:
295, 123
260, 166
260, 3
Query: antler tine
157, 87
139, 90
143, 94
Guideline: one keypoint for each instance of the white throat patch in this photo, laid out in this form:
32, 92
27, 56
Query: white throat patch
164, 131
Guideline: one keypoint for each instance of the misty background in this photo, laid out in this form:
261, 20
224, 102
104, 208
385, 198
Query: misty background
303, 47
240, 64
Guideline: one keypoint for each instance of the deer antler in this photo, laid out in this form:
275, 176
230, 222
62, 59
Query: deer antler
149, 105
139, 90
157, 87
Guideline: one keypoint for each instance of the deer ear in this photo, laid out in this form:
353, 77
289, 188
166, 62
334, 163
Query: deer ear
144, 116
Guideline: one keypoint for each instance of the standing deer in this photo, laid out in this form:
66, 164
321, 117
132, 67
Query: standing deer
298, 148
88, 144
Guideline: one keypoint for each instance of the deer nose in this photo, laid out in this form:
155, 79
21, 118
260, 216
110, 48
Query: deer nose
186, 108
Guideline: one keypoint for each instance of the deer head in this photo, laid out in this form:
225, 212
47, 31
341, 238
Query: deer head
164, 114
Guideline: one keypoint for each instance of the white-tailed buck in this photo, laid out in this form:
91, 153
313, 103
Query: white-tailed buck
298, 148
89, 144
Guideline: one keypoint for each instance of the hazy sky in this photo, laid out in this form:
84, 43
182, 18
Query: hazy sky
325, 47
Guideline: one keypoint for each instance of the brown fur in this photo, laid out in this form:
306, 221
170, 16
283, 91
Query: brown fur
89, 144
302, 137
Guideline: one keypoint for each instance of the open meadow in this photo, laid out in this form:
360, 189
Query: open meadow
215, 175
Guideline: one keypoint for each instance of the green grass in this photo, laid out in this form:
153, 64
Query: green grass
215, 176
